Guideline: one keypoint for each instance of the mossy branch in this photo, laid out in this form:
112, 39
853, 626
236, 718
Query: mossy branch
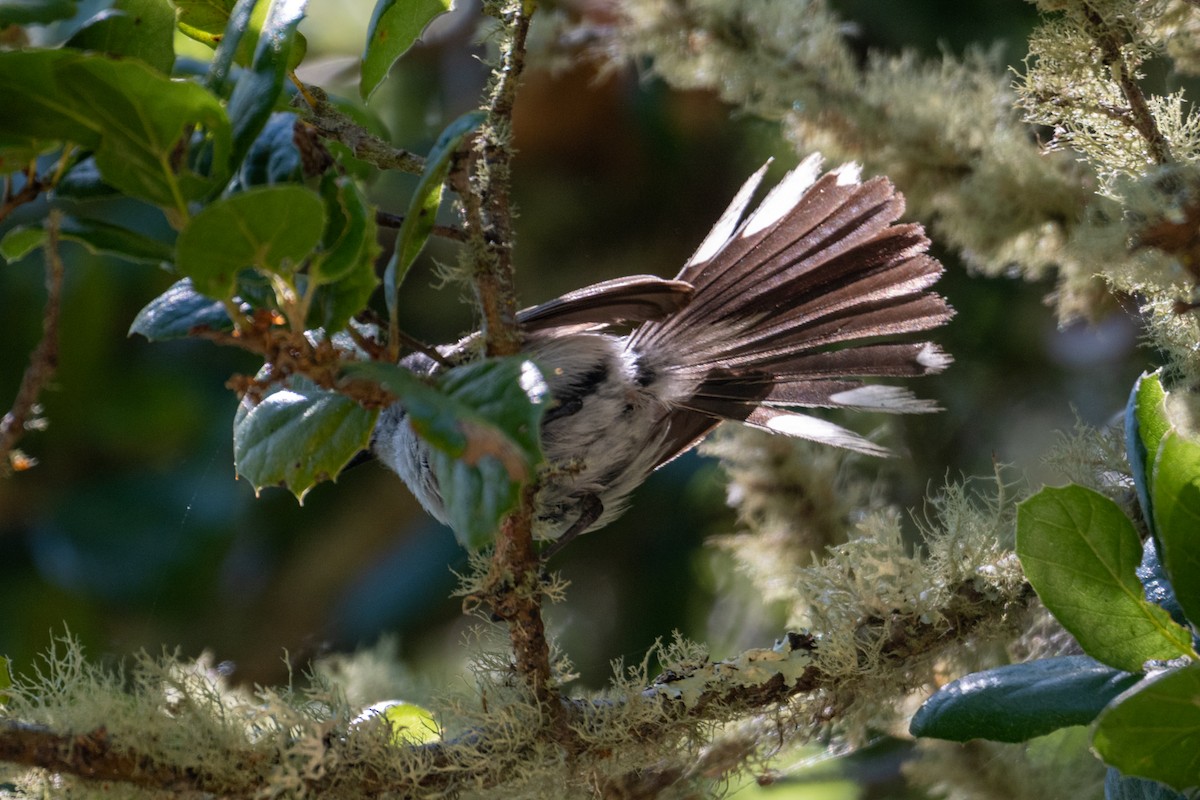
653, 728
1111, 41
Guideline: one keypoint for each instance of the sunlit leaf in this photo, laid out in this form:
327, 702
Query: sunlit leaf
1080, 553
299, 436
395, 26
1153, 730
1176, 499
259, 88
271, 228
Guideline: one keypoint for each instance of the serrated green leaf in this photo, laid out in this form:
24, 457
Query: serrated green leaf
35, 12
142, 29
1175, 484
299, 436
1153, 730
395, 26
476, 496
259, 88
175, 312
100, 238
1018, 702
422, 208
1080, 553
272, 228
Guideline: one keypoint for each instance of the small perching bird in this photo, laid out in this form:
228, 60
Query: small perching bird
783, 310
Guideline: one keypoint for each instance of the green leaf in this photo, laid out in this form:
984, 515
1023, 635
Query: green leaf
38, 111
259, 88
272, 228
35, 12
349, 239
1080, 553
299, 436
1145, 424
1018, 702
20, 242
410, 723
422, 208
1153, 730
137, 120
175, 312
345, 269
100, 238
273, 157
142, 29
438, 418
395, 26
483, 426
1175, 481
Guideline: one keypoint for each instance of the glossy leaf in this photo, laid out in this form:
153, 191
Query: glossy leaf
395, 26
259, 88
1018, 702
1123, 787
271, 228
273, 157
100, 238
1176, 499
175, 312
1157, 585
299, 436
141, 29
1080, 553
35, 12
422, 208
1153, 730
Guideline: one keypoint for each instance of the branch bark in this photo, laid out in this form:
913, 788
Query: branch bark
44, 360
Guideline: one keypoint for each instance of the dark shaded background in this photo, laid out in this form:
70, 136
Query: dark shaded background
133, 532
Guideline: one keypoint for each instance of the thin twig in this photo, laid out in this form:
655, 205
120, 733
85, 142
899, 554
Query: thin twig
386, 220
332, 123
28, 192
44, 359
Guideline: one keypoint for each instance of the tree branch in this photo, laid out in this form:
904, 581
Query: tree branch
332, 123
1141, 118
44, 359
754, 682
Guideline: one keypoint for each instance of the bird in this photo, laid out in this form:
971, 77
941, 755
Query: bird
789, 306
